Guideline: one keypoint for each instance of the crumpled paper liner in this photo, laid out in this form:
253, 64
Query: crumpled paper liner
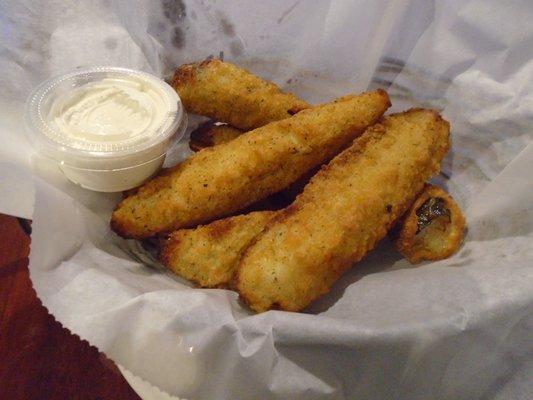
457, 328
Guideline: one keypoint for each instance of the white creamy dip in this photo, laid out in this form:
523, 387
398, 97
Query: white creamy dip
107, 128
110, 110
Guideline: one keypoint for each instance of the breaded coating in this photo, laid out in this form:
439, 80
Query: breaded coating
210, 134
342, 213
208, 254
432, 229
224, 179
230, 94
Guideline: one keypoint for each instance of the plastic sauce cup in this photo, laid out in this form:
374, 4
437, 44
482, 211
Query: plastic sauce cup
120, 146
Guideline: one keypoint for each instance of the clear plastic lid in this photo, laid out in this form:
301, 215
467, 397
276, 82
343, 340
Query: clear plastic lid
109, 150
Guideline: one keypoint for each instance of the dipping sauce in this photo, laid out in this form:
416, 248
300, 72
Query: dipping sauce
110, 111
108, 128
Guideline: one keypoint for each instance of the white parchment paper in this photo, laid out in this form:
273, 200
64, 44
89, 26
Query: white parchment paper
458, 328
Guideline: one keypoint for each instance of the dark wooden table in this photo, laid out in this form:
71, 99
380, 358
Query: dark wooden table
39, 359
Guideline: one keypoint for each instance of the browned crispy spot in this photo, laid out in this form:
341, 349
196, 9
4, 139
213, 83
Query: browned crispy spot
296, 109
182, 75
119, 228
219, 228
187, 72
385, 95
208, 61
130, 192
286, 213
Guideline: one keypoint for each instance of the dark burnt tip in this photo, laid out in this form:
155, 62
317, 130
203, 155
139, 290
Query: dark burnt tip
384, 93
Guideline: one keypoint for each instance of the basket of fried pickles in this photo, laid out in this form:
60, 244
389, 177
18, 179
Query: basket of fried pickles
281, 197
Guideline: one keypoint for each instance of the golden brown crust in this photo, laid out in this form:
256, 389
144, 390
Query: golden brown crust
213, 133
222, 180
208, 254
230, 94
345, 209
419, 237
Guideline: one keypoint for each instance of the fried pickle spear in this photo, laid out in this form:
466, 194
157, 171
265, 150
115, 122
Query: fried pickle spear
210, 134
230, 94
227, 178
432, 229
342, 213
208, 254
